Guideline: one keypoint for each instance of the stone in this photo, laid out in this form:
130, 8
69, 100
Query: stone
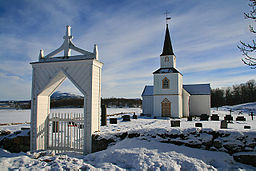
103, 115
25, 128
233, 147
246, 158
204, 117
198, 125
217, 143
223, 124
247, 127
126, 118
175, 123
134, 116
4, 132
190, 118
240, 118
113, 120
215, 117
228, 118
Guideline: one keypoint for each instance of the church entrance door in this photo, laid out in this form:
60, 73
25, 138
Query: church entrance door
166, 108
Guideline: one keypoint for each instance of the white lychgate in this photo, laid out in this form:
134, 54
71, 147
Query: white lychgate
84, 71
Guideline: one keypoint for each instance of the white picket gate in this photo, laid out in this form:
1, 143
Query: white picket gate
65, 132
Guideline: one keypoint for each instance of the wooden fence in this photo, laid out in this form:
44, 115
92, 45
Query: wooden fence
65, 132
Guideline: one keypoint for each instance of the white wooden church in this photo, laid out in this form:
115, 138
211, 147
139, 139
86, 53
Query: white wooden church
168, 97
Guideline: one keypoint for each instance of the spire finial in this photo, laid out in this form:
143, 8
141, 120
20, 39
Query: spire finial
167, 16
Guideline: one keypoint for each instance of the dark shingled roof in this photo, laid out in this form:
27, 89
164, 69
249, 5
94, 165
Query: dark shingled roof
198, 89
166, 70
167, 50
148, 91
192, 89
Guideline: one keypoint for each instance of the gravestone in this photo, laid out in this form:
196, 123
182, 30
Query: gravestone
204, 117
228, 118
175, 123
223, 124
215, 117
126, 118
198, 125
247, 127
134, 116
190, 118
113, 120
103, 115
240, 118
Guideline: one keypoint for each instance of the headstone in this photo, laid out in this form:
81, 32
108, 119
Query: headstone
240, 118
113, 120
204, 117
198, 125
247, 127
175, 123
55, 126
25, 128
103, 115
190, 118
215, 117
134, 116
223, 124
126, 118
228, 118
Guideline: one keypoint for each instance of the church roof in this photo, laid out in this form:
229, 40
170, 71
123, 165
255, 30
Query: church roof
148, 91
198, 89
167, 49
192, 89
166, 70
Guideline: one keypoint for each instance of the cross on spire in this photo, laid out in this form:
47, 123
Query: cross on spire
167, 16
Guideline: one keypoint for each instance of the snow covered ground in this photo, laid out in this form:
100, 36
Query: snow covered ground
136, 153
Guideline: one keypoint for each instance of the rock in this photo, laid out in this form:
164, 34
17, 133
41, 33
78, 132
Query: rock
16, 144
101, 143
248, 149
175, 123
193, 144
5, 132
246, 158
217, 143
132, 135
233, 147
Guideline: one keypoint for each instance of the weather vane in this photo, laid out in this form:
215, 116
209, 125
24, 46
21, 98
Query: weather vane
167, 16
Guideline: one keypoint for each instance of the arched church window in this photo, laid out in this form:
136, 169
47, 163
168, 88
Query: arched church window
165, 83
166, 59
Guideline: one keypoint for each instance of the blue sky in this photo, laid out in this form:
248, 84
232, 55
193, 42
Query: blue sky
130, 36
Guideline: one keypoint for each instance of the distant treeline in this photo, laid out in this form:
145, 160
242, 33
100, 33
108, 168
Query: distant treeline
237, 94
110, 102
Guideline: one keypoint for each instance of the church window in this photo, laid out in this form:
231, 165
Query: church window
166, 59
165, 83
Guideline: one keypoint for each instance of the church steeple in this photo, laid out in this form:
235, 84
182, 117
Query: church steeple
167, 49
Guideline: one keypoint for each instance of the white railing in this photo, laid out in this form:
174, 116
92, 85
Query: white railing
65, 132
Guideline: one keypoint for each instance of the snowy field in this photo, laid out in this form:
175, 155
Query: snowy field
135, 153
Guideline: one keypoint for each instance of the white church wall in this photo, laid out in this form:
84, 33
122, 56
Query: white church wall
199, 104
147, 105
176, 105
175, 84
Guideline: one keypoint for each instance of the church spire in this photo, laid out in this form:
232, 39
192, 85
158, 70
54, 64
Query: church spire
167, 49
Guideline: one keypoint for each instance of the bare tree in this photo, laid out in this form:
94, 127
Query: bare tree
248, 48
